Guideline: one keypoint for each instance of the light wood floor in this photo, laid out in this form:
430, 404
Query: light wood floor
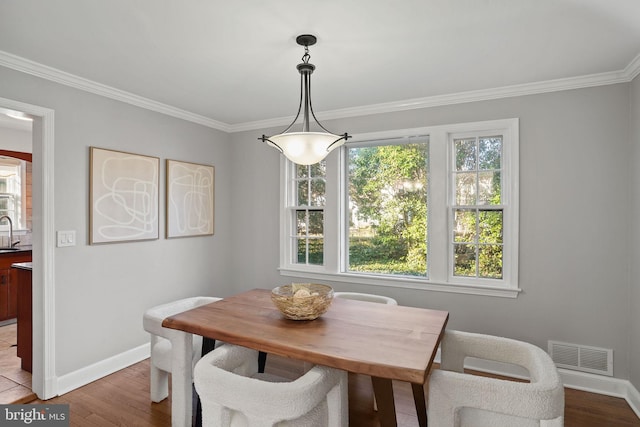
15, 384
122, 399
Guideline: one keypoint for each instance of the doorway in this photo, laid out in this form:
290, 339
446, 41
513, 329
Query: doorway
43, 374
16, 142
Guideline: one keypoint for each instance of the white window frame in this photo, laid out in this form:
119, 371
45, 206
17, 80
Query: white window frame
440, 277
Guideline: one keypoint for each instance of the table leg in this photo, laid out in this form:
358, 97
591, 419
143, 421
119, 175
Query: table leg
262, 361
208, 344
421, 406
181, 379
383, 390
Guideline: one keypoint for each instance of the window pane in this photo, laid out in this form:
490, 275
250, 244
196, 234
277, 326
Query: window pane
317, 192
466, 188
303, 193
309, 236
301, 222
316, 221
317, 195
489, 188
316, 251
318, 170
464, 227
465, 154
302, 171
464, 260
490, 153
301, 251
490, 257
490, 224
388, 206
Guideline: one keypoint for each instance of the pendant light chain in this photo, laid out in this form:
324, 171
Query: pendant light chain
306, 57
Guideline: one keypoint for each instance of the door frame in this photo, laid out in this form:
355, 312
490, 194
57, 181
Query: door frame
43, 381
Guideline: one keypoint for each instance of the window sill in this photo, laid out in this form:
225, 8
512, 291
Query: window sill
404, 282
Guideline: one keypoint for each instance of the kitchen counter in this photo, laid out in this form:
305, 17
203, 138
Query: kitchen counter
16, 250
23, 265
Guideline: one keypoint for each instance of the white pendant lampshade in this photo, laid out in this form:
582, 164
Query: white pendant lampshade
305, 147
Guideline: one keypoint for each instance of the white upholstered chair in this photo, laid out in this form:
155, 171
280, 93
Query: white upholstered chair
460, 399
161, 341
365, 297
381, 299
233, 393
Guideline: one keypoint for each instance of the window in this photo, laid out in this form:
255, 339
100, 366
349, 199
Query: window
12, 185
433, 208
387, 208
308, 208
477, 211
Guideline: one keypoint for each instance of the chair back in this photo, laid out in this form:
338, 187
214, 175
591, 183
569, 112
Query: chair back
233, 393
365, 297
457, 399
161, 342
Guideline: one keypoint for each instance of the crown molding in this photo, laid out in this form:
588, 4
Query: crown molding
630, 72
601, 79
633, 69
39, 70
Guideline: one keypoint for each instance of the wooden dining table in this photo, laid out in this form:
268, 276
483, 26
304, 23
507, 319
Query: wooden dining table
386, 342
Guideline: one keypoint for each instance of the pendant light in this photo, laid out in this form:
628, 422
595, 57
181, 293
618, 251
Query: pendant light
305, 147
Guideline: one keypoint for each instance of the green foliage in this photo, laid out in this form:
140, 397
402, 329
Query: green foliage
388, 186
478, 228
388, 193
316, 251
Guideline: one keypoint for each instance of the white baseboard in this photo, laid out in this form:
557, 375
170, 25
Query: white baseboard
84, 376
602, 385
633, 398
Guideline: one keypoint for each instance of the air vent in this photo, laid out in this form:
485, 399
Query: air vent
582, 358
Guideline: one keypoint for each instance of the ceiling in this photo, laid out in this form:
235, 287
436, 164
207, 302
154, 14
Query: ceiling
234, 61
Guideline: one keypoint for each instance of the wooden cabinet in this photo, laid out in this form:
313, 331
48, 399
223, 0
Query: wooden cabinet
6, 302
9, 282
22, 272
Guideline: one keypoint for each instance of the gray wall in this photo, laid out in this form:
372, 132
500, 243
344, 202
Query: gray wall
575, 174
15, 139
574, 218
634, 252
102, 291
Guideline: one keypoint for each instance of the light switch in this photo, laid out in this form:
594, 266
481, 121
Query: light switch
66, 238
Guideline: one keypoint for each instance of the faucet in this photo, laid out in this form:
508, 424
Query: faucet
11, 243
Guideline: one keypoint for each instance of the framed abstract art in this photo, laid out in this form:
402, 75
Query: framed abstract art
190, 199
124, 202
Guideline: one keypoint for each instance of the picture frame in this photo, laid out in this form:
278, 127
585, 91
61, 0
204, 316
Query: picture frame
124, 196
190, 199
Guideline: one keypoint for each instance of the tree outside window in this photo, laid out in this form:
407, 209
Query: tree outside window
433, 207
310, 199
388, 208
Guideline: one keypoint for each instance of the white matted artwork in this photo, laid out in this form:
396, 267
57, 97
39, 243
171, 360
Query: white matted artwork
124, 202
190, 204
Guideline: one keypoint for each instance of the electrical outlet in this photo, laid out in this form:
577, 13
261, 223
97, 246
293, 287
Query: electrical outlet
66, 238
